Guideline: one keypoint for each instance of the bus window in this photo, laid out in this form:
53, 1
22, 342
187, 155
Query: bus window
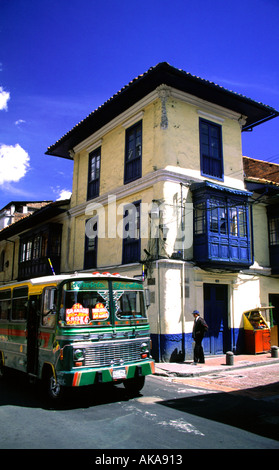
85, 303
130, 304
19, 305
5, 304
49, 307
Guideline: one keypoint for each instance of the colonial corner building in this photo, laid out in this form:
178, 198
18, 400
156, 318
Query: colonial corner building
161, 190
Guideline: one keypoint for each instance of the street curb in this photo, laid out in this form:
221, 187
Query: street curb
213, 370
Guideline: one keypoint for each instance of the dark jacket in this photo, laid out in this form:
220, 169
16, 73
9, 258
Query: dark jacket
199, 329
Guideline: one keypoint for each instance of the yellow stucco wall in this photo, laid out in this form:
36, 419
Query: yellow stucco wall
260, 234
174, 148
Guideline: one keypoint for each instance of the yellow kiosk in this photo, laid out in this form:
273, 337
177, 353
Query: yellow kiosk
257, 331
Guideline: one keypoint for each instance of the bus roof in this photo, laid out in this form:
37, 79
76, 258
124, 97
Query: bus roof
57, 278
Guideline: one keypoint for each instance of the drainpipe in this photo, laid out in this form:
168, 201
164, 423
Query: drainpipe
182, 308
252, 233
159, 314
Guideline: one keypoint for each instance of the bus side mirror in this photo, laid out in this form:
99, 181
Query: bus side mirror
147, 297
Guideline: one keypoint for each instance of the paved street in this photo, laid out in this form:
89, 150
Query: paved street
170, 414
257, 382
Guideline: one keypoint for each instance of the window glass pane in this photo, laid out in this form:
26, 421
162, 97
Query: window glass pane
200, 218
19, 304
210, 148
94, 173
5, 304
274, 231
49, 307
242, 222
129, 305
85, 303
218, 217
223, 220
233, 221
133, 153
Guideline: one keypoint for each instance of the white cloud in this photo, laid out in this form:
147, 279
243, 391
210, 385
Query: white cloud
19, 121
14, 163
4, 98
64, 194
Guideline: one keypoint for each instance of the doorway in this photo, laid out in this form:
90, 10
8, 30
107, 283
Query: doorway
34, 307
217, 339
274, 300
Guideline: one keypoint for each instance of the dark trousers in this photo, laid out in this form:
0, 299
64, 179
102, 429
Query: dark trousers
198, 352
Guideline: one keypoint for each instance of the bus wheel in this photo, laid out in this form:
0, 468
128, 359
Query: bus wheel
133, 386
52, 388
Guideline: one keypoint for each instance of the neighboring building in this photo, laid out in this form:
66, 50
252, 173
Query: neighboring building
158, 178
262, 179
17, 210
27, 245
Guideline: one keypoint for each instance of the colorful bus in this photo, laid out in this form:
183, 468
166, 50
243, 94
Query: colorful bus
76, 330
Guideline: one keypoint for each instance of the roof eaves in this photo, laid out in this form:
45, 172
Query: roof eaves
148, 81
32, 219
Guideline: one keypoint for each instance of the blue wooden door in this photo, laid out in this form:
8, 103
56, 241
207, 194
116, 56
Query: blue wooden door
217, 339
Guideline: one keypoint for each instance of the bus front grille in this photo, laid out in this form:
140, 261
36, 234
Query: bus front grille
112, 353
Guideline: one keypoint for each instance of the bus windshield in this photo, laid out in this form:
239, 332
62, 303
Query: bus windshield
128, 300
85, 303
130, 305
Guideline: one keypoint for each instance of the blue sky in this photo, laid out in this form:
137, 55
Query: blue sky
61, 59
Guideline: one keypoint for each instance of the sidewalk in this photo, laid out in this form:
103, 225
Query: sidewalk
213, 364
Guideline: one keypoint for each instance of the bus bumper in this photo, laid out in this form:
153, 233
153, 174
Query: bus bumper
89, 376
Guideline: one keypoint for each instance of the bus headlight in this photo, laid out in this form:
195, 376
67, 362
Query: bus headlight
78, 356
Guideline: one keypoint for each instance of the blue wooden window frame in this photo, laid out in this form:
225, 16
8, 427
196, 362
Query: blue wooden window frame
94, 164
211, 153
221, 228
131, 233
133, 153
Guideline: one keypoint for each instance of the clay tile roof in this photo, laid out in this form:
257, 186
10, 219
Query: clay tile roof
260, 171
162, 73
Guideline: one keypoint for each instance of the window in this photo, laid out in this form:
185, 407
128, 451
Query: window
5, 304
211, 149
274, 231
131, 233
238, 221
90, 250
221, 226
19, 305
94, 174
35, 249
133, 153
218, 216
130, 305
49, 307
85, 303
200, 219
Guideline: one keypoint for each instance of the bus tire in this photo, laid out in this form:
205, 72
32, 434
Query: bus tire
53, 390
134, 385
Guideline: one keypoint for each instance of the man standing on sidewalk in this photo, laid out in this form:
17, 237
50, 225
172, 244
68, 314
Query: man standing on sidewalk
199, 329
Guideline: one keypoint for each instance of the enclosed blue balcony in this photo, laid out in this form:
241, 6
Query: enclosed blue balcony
221, 226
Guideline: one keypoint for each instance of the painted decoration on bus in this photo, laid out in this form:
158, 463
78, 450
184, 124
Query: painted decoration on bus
77, 315
99, 312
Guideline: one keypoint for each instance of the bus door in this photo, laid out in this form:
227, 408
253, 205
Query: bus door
33, 318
